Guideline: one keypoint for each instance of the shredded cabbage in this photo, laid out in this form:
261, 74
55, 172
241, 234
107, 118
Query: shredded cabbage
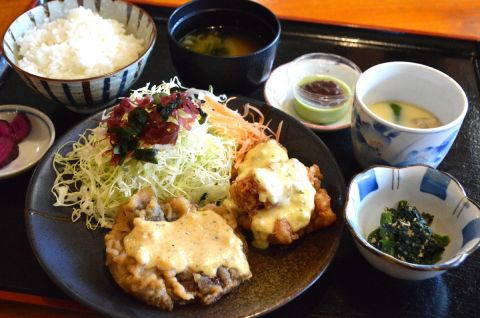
197, 167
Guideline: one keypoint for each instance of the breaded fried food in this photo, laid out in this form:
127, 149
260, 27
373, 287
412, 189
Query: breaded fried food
173, 253
277, 198
322, 216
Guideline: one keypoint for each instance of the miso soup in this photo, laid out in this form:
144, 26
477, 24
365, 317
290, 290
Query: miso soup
404, 114
222, 41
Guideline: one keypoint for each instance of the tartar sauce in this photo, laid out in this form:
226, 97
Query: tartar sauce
201, 241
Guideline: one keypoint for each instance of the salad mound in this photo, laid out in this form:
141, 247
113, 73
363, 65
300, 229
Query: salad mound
179, 142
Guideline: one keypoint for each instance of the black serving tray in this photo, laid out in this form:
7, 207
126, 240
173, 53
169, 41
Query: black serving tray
350, 287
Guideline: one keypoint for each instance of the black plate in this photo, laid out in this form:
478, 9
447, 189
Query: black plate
74, 257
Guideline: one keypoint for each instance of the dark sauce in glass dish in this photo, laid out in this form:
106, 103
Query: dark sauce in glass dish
323, 88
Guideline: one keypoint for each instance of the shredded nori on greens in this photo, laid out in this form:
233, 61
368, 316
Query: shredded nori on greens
405, 233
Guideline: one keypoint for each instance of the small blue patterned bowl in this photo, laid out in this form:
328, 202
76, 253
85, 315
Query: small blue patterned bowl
85, 95
377, 141
426, 188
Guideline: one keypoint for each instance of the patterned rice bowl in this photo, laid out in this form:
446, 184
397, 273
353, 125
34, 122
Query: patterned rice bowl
85, 95
426, 188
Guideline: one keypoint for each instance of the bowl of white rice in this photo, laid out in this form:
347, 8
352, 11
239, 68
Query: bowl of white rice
83, 57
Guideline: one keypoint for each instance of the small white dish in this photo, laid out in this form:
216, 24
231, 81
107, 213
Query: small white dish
35, 145
278, 93
431, 191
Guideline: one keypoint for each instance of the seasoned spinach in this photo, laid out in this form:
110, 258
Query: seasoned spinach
405, 233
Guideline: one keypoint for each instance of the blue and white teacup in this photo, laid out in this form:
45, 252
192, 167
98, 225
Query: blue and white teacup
378, 141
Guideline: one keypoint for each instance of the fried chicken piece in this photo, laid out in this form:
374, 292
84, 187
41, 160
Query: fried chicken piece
156, 287
245, 193
283, 233
322, 216
315, 176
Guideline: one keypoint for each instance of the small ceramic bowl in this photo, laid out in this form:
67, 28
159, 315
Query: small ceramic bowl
278, 93
35, 145
238, 74
85, 95
426, 188
323, 86
378, 141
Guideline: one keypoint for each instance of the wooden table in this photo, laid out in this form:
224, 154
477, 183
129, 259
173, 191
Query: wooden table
447, 18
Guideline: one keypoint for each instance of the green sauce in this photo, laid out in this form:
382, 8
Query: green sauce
405, 233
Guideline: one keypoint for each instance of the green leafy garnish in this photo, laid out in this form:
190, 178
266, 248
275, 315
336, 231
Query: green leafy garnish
147, 155
165, 111
127, 137
442, 240
137, 119
405, 234
217, 50
397, 110
386, 218
123, 146
203, 116
428, 218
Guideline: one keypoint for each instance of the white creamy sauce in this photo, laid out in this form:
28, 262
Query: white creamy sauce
284, 184
201, 241
260, 156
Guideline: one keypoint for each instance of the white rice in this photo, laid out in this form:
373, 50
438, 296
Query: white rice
81, 45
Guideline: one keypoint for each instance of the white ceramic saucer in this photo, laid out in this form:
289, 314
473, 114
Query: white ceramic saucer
34, 146
278, 93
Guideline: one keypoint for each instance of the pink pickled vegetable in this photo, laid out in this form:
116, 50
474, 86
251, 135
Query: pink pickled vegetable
21, 126
6, 129
8, 150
